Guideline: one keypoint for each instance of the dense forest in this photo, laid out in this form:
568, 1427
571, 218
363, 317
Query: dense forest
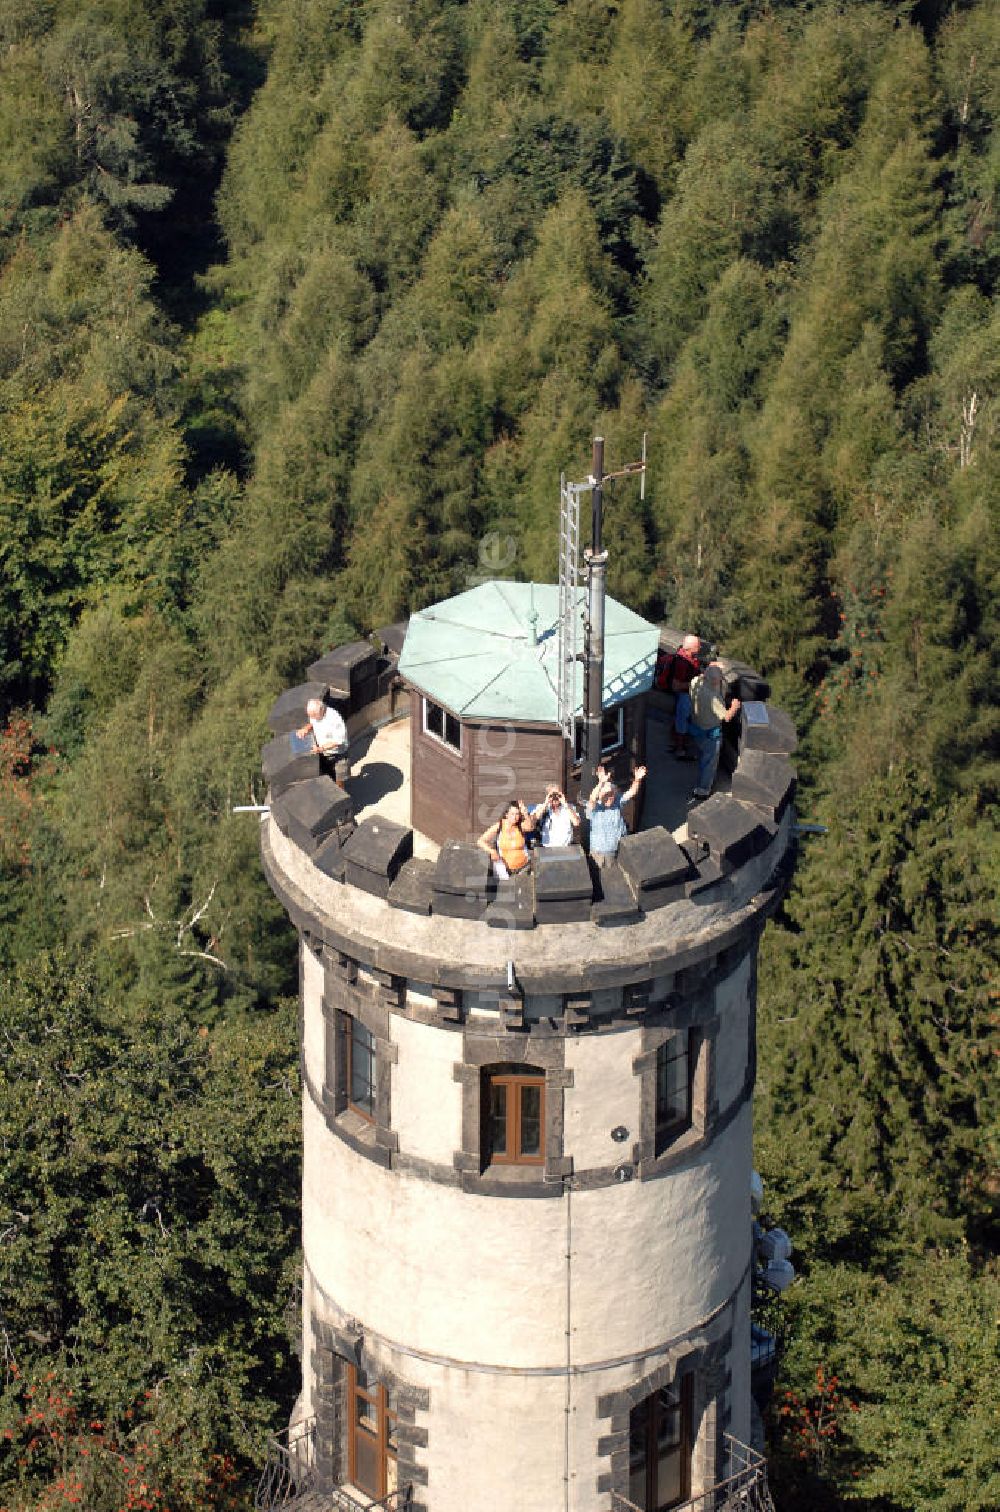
304, 304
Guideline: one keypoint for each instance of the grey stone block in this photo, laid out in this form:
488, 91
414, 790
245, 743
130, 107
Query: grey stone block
329, 858
669, 892
513, 906
413, 888
392, 637
562, 874
765, 728
653, 859
375, 852
365, 691
386, 676
743, 680
708, 875
460, 905
288, 712
344, 668
563, 910
765, 780
311, 810
282, 765
751, 686
732, 832
463, 868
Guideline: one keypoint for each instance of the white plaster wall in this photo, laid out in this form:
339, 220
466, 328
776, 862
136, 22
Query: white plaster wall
314, 1026
605, 1093
426, 1099
509, 1442
732, 1044
429, 1265
496, 1443
651, 1259
484, 1279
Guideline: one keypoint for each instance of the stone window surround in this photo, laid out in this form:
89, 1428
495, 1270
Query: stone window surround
369, 1004
710, 1413
479, 1053
334, 1349
692, 1017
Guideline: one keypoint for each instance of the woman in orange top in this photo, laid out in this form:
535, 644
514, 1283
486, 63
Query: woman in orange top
504, 841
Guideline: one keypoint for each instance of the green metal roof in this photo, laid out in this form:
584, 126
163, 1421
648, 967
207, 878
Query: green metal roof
474, 653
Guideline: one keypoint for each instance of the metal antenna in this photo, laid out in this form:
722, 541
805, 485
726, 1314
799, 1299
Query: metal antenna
572, 602
569, 603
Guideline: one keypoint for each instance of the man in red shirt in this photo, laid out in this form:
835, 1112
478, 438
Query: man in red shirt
683, 669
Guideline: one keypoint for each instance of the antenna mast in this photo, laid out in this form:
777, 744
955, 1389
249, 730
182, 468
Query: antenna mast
571, 602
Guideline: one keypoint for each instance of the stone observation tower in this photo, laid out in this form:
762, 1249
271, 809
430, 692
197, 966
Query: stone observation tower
526, 1215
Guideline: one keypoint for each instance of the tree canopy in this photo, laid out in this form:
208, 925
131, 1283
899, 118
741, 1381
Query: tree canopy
301, 303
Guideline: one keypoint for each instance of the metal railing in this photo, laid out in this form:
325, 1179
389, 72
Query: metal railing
744, 1488
396, 1501
289, 1467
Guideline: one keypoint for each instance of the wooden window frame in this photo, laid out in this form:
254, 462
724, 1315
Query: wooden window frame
685, 1402
347, 1026
515, 1079
452, 745
666, 1131
376, 1395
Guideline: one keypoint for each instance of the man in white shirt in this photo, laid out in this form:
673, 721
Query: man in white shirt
328, 729
558, 820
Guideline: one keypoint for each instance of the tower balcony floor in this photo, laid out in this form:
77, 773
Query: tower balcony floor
380, 780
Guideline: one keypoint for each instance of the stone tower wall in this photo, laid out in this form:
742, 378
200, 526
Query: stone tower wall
519, 1314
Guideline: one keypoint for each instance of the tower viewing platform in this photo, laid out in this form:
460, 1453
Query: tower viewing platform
526, 1102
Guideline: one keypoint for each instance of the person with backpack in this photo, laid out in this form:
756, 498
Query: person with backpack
677, 676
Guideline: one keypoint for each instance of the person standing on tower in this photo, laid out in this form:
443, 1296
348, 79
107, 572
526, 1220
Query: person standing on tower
683, 670
604, 810
504, 842
708, 715
326, 726
558, 819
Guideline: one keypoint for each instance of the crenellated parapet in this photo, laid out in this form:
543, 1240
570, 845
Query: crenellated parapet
375, 855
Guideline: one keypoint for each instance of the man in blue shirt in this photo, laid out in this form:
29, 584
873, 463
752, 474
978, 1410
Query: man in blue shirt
604, 810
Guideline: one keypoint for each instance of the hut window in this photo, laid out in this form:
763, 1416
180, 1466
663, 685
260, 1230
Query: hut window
444, 726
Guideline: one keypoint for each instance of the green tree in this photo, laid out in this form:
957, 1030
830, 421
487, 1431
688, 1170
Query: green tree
150, 1205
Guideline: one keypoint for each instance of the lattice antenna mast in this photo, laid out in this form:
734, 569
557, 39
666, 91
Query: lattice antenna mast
581, 612
571, 602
